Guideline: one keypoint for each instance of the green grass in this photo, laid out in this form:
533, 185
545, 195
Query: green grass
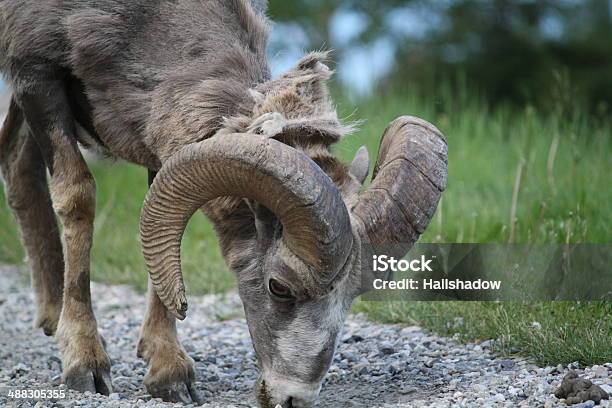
550, 332
561, 197
571, 203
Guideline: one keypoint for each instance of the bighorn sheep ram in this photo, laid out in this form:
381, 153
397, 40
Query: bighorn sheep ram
182, 87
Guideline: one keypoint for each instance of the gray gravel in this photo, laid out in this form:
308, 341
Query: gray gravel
376, 365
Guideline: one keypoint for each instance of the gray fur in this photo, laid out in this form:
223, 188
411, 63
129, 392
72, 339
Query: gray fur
136, 58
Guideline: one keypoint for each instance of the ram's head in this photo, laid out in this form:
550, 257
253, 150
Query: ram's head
297, 228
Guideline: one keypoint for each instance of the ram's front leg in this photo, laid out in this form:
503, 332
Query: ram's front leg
86, 366
171, 371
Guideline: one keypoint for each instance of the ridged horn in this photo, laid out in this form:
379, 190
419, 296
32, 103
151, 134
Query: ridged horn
316, 224
408, 180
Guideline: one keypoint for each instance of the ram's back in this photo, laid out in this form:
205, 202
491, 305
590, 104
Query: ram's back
142, 40
126, 52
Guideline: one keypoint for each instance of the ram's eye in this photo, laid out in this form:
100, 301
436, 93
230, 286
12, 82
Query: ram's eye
280, 290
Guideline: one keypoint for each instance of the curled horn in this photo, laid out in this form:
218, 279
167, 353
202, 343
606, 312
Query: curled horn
316, 224
408, 180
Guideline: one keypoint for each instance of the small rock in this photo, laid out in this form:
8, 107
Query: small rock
19, 369
361, 368
409, 330
585, 404
487, 344
386, 348
479, 388
499, 398
350, 356
599, 371
549, 370
408, 390
419, 349
395, 368
355, 338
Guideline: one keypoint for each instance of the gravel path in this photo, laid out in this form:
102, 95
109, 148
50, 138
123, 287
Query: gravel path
376, 365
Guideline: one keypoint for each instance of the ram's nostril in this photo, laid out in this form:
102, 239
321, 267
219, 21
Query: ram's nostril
289, 403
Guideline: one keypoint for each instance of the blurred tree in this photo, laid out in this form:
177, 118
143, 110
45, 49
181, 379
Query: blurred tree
513, 50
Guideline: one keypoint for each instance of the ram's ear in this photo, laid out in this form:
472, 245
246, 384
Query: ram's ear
315, 61
360, 165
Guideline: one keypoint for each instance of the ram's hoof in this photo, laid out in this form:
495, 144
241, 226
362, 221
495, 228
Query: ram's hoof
93, 380
171, 371
86, 363
178, 392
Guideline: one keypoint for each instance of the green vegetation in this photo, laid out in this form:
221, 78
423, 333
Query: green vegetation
550, 332
561, 195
